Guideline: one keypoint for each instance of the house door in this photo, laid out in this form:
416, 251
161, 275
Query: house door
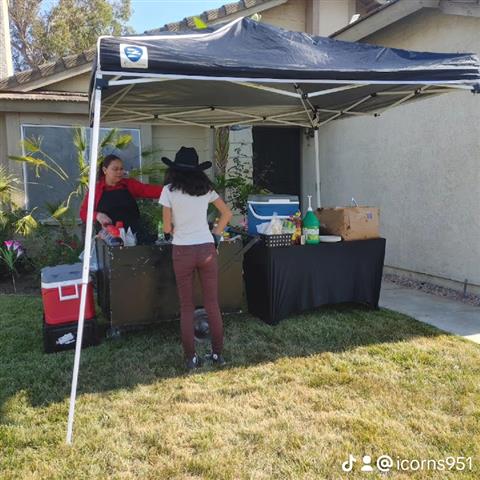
276, 159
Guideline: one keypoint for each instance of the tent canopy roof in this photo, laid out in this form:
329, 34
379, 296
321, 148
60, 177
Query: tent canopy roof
250, 72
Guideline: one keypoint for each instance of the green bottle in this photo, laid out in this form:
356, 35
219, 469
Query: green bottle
311, 225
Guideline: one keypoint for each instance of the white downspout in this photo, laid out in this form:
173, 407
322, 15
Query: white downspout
317, 168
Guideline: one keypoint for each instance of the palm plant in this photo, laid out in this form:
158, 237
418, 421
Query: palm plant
8, 186
39, 160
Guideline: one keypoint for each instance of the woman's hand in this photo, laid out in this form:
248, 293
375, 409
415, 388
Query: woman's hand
167, 220
103, 219
225, 216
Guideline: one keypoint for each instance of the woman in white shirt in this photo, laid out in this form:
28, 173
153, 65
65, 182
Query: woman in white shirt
185, 199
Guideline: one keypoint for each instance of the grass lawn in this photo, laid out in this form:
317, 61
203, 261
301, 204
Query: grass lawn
294, 402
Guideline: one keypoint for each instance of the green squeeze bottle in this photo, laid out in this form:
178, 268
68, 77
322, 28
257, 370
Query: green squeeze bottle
311, 225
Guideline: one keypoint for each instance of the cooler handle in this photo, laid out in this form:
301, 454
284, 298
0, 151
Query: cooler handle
68, 297
264, 217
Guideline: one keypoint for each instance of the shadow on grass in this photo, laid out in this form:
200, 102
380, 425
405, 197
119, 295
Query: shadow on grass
143, 357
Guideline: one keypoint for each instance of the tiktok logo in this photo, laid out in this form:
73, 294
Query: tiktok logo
348, 465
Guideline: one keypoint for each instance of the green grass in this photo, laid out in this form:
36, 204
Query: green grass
295, 400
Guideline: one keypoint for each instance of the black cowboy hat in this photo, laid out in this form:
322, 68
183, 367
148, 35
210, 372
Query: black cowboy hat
186, 159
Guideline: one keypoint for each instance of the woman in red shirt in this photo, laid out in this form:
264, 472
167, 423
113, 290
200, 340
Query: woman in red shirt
115, 196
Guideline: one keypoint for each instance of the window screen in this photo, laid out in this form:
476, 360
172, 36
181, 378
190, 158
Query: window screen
57, 144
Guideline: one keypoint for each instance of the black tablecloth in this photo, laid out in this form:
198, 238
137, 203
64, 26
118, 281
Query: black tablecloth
285, 280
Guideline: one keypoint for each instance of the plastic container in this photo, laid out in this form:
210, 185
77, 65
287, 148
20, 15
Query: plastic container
61, 290
121, 230
57, 338
282, 240
311, 225
262, 207
111, 236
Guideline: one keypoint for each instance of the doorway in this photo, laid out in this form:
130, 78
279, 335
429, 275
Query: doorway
276, 159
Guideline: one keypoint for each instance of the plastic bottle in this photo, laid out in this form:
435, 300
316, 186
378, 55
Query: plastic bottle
311, 225
297, 221
121, 230
111, 236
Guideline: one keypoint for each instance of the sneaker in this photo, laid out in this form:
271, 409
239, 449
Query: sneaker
194, 362
215, 359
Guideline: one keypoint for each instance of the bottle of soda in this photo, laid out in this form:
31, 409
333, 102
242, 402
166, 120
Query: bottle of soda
311, 225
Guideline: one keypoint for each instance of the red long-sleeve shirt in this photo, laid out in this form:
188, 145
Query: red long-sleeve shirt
137, 190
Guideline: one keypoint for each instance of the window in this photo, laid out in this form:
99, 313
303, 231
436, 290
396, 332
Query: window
57, 145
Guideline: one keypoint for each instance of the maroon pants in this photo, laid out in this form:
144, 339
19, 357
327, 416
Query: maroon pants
203, 258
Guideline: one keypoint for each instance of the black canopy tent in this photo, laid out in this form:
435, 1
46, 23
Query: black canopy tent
246, 72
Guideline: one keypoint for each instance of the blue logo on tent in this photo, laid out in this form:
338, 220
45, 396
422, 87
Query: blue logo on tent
134, 54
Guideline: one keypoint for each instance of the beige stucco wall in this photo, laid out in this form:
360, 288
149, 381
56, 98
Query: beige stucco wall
419, 163
291, 15
166, 140
320, 17
79, 83
334, 15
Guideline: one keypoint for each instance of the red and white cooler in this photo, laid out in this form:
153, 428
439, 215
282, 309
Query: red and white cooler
61, 291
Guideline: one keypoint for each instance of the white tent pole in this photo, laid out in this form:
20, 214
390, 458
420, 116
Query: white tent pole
132, 77
86, 256
334, 90
317, 168
418, 91
286, 122
119, 98
269, 89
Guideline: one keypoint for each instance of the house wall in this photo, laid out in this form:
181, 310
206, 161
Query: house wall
166, 141
419, 163
319, 17
80, 83
334, 15
291, 15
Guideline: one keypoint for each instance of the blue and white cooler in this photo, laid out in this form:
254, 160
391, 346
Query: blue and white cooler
261, 209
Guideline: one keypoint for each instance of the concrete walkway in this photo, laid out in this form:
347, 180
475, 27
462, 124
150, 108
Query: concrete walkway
450, 315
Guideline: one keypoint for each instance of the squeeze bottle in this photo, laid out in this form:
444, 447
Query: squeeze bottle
311, 225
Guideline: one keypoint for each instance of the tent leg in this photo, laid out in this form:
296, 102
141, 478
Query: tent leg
317, 168
86, 258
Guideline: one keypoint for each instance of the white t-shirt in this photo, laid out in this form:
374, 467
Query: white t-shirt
189, 216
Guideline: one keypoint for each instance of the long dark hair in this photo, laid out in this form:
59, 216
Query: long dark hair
192, 183
105, 163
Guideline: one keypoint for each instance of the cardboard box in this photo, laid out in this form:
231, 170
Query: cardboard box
351, 223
